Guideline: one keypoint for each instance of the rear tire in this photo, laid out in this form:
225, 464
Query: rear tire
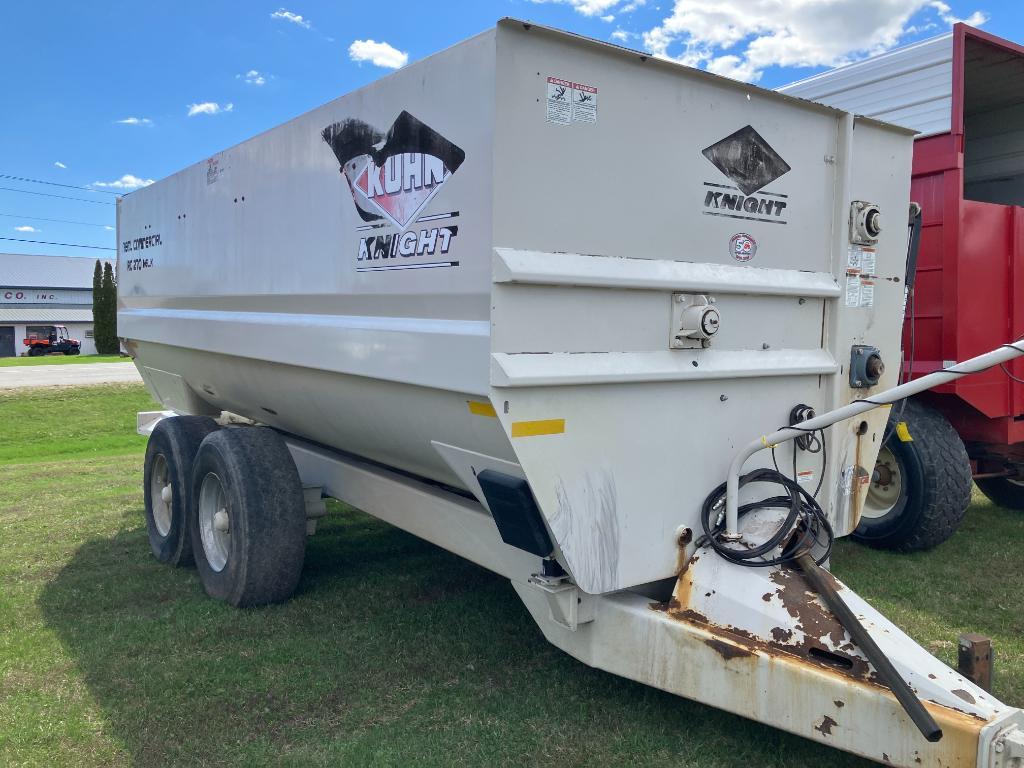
1003, 491
168, 475
35, 351
921, 487
248, 517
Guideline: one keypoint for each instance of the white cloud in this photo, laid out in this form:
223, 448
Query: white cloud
620, 36
136, 121
59, 164
209, 108
286, 15
128, 181
109, 229
630, 7
586, 7
26, 228
609, 18
741, 38
945, 13
380, 54
252, 77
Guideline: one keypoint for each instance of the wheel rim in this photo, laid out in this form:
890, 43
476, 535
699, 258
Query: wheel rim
161, 494
214, 522
886, 485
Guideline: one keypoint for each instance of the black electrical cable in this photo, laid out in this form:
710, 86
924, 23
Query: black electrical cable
805, 529
55, 221
64, 245
59, 197
55, 184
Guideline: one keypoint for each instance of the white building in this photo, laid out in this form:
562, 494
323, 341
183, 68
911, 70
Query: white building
41, 291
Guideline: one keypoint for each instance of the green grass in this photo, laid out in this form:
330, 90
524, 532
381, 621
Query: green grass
12, 362
393, 652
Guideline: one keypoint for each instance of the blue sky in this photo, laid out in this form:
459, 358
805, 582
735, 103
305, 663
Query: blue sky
121, 93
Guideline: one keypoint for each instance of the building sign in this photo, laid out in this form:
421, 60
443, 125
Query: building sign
44, 296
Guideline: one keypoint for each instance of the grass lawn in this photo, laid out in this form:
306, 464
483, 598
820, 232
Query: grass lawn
11, 362
392, 653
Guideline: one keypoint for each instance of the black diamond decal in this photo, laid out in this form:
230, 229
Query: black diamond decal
747, 159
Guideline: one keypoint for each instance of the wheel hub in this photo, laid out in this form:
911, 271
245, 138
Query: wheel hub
886, 485
161, 495
214, 522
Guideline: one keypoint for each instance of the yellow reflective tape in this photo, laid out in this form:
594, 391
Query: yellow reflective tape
903, 433
482, 409
544, 427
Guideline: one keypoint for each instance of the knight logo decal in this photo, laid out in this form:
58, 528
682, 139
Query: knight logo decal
747, 160
392, 177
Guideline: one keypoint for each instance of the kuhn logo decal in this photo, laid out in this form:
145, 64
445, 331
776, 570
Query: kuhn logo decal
751, 163
392, 178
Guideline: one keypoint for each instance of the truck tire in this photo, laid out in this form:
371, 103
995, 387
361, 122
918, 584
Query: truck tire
249, 517
1003, 491
920, 488
36, 351
168, 477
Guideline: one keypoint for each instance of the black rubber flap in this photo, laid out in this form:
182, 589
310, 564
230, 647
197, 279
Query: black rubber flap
515, 512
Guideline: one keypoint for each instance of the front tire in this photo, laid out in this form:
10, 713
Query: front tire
249, 517
1003, 491
170, 452
920, 488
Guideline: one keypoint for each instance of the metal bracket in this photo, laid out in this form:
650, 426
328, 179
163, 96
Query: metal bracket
316, 507
1008, 749
567, 605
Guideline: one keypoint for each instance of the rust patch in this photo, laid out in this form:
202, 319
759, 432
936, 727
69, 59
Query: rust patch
767, 597
885, 758
825, 726
781, 635
933, 677
812, 618
839, 703
964, 695
727, 650
685, 537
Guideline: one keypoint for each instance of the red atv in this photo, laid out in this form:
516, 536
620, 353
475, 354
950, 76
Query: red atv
56, 341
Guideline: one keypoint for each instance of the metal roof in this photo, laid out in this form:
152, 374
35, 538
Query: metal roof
49, 315
910, 86
23, 270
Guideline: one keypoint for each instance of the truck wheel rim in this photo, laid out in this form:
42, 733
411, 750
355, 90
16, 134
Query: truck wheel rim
161, 495
886, 485
214, 522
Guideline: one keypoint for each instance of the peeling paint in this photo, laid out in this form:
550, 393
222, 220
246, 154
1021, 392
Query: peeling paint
825, 726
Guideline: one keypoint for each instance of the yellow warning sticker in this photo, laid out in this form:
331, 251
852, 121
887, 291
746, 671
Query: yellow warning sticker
543, 427
481, 409
903, 433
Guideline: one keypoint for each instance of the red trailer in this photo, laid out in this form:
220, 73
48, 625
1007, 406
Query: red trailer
964, 92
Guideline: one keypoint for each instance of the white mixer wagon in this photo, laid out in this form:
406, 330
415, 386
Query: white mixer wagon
527, 299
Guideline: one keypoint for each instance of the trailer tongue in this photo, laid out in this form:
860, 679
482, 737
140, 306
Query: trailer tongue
526, 299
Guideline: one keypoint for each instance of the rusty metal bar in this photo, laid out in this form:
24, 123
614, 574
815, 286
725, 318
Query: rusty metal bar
974, 659
821, 582
977, 364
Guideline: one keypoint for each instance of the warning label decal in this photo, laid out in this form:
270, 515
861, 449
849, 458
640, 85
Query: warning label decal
860, 276
570, 102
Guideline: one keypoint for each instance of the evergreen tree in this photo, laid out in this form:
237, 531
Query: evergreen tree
98, 315
108, 290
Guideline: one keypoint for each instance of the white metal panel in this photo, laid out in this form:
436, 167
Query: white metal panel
911, 86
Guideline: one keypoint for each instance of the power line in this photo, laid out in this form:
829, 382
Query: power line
64, 245
54, 184
61, 197
56, 221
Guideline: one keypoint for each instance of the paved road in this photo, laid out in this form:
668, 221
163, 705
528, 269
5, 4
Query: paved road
20, 377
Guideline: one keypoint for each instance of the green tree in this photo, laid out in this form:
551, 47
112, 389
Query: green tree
104, 310
98, 316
